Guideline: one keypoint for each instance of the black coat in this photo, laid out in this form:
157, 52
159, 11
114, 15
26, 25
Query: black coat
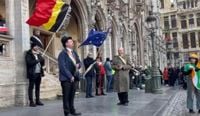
87, 62
67, 69
31, 64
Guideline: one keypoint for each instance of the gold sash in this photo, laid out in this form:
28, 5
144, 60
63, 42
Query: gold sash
72, 58
123, 60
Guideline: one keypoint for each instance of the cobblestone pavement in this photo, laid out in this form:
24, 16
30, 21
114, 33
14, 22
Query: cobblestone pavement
177, 106
141, 104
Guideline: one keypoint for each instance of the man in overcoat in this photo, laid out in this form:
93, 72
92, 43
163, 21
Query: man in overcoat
122, 65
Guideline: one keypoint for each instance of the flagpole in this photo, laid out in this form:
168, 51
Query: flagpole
53, 36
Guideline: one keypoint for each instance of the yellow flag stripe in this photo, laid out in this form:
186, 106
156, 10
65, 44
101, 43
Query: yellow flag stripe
55, 13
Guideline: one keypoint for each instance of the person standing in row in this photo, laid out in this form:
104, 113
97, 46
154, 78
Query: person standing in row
166, 76
88, 63
109, 76
34, 65
100, 74
69, 63
121, 65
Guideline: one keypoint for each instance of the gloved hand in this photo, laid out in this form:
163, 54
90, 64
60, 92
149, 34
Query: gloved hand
190, 71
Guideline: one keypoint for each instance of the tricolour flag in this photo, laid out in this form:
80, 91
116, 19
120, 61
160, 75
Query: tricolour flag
49, 14
194, 74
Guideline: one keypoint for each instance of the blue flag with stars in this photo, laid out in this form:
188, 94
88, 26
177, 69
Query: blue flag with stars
95, 38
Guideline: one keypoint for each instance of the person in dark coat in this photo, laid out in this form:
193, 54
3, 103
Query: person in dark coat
88, 63
69, 65
171, 76
34, 64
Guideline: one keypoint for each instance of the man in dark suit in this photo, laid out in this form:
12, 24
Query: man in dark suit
34, 64
69, 64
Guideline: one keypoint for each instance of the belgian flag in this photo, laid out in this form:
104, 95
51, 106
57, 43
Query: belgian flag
49, 14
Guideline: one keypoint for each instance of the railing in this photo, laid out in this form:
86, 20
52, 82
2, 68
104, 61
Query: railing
51, 63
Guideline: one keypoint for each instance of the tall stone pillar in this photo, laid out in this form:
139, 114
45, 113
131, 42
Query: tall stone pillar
21, 40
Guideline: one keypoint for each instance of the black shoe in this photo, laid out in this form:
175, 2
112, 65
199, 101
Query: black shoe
199, 111
39, 103
32, 104
125, 104
75, 114
119, 103
88, 97
91, 96
127, 101
191, 111
103, 94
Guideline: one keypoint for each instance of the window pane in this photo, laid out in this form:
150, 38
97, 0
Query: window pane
184, 5
193, 40
191, 22
183, 24
198, 21
4, 48
173, 21
162, 3
175, 41
192, 3
199, 38
167, 37
185, 41
166, 22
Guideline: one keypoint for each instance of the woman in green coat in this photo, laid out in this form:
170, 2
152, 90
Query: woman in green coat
191, 90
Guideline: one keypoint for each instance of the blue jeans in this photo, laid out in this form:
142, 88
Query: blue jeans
89, 86
109, 82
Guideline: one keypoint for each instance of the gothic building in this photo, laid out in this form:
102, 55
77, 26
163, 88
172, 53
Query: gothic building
126, 18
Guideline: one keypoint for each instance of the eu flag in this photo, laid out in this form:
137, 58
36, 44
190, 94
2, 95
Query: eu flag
95, 38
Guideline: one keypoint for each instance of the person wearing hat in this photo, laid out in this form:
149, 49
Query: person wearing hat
69, 64
191, 90
34, 65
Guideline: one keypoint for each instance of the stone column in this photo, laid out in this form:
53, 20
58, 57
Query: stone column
21, 40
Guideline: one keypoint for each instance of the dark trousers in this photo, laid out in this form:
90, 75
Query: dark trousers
68, 91
88, 86
166, 82
36, 81
109, 81
99, 85
123, 97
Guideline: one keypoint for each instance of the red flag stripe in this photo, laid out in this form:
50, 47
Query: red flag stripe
42, 13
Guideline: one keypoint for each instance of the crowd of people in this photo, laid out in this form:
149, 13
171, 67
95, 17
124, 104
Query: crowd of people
117, 75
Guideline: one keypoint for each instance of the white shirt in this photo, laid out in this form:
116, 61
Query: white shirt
70, 50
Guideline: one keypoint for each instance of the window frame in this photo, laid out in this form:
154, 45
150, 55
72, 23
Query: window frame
185, 41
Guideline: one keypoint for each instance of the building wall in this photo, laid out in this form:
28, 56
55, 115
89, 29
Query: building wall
124, 20
179, 10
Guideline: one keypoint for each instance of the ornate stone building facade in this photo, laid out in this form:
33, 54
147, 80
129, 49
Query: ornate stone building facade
125, 17
159, 43
181, 29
